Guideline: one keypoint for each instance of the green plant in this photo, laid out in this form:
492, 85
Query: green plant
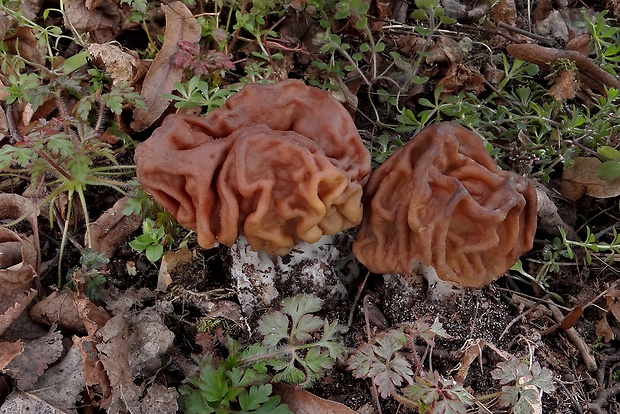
196, 92
609, 169
605, 37
90, 276
231, 387
383, 360
59, 162
151, 241
159, 227
591, 245
522, 383
289, 351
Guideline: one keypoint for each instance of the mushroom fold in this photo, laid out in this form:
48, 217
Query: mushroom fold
441, 201
281, 163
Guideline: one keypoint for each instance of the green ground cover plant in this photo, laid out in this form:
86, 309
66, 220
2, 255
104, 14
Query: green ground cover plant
349, 47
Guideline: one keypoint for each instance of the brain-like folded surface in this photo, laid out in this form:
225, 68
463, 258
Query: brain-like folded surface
281, 163
441, 200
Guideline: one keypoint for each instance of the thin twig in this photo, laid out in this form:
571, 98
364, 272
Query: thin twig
523, 315
358, 294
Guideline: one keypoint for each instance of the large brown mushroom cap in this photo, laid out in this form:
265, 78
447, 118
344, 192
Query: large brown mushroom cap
443, 202
282, 163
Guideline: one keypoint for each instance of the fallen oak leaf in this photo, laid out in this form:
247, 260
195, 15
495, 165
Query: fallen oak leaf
604, 330
69, 310
565, 86
8, 351
163, 73
122, 66
112, 228
11, 314
582, 177
61, 385
303, 402
36, 356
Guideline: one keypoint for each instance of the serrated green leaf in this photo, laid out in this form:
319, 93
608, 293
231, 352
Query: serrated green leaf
317, 361
528, 398
255, 397
291, 374
273, 406
361, 360
274, 328
305, 326
299, 305
419, 14
212, 383
509, 396
542, 378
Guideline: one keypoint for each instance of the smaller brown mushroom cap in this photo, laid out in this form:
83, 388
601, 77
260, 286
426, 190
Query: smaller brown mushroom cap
281, 163
441, 201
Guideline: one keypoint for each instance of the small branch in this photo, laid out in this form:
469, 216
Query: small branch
589, 72
603, 398
576, 339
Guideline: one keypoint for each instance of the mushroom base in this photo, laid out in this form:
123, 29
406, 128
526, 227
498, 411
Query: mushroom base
321, 268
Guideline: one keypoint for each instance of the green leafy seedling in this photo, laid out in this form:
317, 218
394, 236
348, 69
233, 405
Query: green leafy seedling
289, 352
151, 241
290, 333
610, 169
522, 384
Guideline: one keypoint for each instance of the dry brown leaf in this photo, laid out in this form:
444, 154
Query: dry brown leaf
461, 77
122, 302
24, 402
614, 6
302, 402
14, 206
169, 262
222, 309
565, 86
102, 23
27, 46
61, 385
70, 311
149, 340
504, 11
163, 73
582, 178
613, 303
112, 228
122, 66
94, 375
444, 50
581, 44
113, 350
571, 318
549, 218
12, 313
473, 351
19, 256
37, 355
161, 400
604, 330
8, 351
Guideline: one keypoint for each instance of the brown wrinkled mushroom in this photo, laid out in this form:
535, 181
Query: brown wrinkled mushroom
441, 201
281, 163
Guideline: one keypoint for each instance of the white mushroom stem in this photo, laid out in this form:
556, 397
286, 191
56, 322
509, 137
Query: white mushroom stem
439, 289
308, 268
